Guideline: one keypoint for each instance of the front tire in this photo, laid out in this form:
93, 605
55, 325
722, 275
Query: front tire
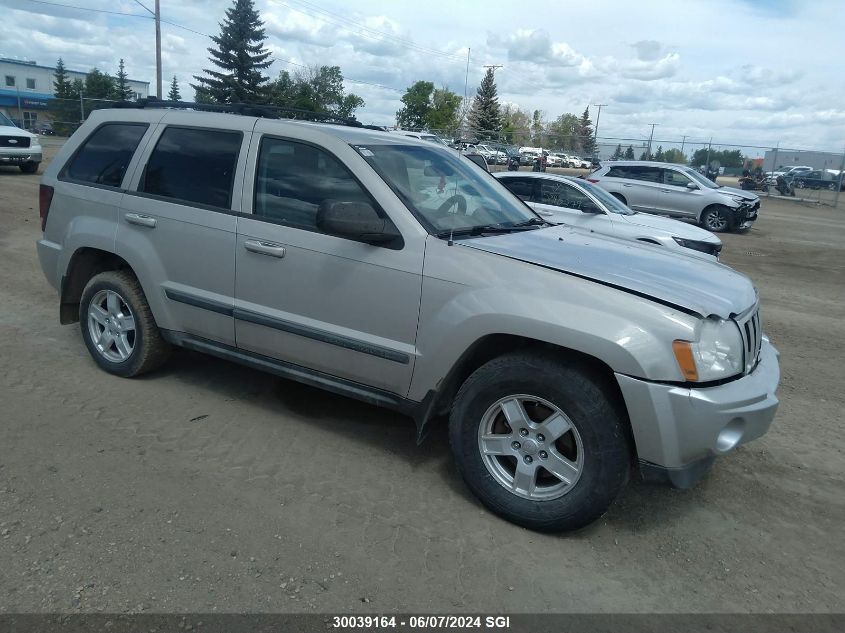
716, 219
539, 442
118, 326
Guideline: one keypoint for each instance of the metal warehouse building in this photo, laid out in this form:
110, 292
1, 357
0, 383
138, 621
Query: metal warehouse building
787, 158
27, 88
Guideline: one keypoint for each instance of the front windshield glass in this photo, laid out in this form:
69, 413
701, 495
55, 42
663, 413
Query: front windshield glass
701, 180
4, 120
612, 204
445, 190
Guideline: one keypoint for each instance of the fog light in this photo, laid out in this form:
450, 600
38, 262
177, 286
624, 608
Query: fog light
730, 436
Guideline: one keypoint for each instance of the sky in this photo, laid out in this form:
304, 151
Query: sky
753, 72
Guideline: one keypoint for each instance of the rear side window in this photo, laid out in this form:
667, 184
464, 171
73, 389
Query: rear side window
636, 172
522, 188
193, 165
105, 155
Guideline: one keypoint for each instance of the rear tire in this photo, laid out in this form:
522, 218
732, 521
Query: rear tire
716, 219
29, 168
522, 414
118, 326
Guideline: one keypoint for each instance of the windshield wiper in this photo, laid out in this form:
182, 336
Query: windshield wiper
487, 228
531, 222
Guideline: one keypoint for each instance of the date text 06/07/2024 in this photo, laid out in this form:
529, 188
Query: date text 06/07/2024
420, 622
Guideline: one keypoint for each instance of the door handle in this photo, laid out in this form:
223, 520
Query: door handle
627, 184
265, 248
666, 190
140, 220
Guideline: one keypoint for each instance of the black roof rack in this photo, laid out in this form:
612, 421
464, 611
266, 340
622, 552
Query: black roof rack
247, 109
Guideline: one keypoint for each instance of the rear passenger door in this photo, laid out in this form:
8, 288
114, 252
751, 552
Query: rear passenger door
178, 222
323, 302
639, 184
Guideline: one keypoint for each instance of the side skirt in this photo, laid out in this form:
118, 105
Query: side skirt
419, 411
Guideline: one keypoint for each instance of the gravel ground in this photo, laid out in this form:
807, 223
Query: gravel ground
210, 487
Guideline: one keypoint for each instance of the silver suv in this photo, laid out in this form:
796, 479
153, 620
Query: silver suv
678, 191
398, 272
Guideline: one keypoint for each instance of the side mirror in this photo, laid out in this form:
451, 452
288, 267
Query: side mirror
692, 186
589, 207
357, 221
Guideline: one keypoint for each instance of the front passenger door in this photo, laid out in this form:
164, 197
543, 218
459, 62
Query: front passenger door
340, 307
562, 203
677, 197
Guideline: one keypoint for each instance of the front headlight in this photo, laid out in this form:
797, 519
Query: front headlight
696, 245
717, 354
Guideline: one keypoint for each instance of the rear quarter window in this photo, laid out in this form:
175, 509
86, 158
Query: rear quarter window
193, 165
104, 156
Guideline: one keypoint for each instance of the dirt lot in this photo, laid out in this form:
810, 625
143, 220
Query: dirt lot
207, 486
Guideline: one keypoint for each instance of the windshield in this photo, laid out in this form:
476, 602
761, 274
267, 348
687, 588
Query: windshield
444, 190
4, 120
611, 204
701, 180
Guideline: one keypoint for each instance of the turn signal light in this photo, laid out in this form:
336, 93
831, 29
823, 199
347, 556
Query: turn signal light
683, 354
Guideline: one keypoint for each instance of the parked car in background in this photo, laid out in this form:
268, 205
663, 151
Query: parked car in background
18, 147
423, 136
678, 191
553, 160
580, 163
576, 202
818, 179
45, 129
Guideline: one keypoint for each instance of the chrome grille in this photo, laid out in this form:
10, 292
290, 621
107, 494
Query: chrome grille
752, 338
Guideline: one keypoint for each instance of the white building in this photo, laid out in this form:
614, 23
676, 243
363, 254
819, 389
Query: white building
27, 88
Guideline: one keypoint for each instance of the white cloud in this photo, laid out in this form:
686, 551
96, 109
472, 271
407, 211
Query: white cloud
649, 63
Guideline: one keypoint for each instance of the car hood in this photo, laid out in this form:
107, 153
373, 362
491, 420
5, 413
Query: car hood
8, 130
668, 225
705, 287
733, 191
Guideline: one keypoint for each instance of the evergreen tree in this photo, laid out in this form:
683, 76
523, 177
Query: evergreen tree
485, 117
99, 85
240, 55
174, 95
61, 85
585, 131
629, 153
122, 91
660, 157
645, 155
64, 109
617, 153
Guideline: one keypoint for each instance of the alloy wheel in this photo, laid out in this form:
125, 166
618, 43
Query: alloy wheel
531, 447
111, 326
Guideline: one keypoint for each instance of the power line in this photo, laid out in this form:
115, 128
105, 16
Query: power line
72, 6
144, 6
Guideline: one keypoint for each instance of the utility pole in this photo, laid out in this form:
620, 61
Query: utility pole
650, 138
81, 108
157, 17
158, 50
466, 77
598, 118
493, 66
683, 142
20, 112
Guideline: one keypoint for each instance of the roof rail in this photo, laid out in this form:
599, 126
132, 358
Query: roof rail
247, 109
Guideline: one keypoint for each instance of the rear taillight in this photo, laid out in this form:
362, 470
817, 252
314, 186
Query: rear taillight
45, 197
592, 179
